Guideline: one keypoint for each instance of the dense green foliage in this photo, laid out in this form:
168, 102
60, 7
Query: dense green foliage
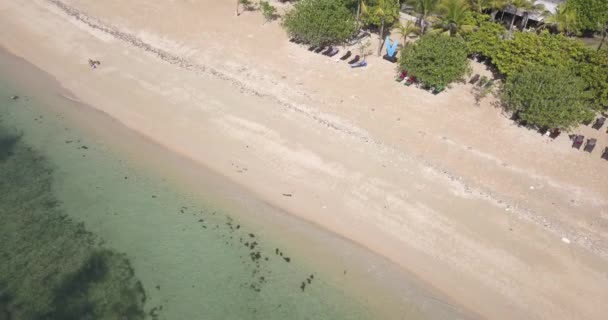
424, 8
564, 19
435, 60
320, 22
547, 97
591, 15
453, 18
379, 12
486, 39
527, 49
593, 68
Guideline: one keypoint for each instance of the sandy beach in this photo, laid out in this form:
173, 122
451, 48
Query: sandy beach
504, 222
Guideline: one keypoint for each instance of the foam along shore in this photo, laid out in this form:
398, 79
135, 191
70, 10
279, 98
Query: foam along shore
427, 188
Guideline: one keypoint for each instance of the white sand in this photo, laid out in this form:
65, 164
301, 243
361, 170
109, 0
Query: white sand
453, 192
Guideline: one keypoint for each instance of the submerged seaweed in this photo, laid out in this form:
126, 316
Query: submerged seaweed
50, 266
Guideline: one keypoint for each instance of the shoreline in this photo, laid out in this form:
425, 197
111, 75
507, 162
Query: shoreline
315, 170
368, 273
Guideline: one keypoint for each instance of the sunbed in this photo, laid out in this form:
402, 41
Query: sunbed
590, 145
554, 133
577, 141
408, 81
345, 56
599, 123
333, 52
474, 79
354, 60
359, 64
401, 76
437, 90
319, 49
392, 59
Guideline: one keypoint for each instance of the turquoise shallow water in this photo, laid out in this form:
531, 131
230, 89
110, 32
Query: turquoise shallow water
97, 222
87, 235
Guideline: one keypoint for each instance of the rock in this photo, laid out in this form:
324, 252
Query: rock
287, 194
287, 259
14, 97
565, 240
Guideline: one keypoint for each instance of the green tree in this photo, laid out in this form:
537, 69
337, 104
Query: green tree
424, 8
497, 5
435, 60
527, 49
453, 18
564, 19
593, 69
320, 22
604, 34
383, 13
548, 97
486, 40
406, 29
479, 5
591, 15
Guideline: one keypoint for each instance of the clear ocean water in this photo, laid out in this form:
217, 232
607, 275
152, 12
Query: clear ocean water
85, 234
96, 222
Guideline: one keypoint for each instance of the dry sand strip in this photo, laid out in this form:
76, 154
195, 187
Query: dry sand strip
389, 197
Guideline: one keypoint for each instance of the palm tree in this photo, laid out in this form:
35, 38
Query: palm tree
407, 28
605, 32
564, 19
452, 18
526, 5
424, 8
385, 12
497, 5
479, 5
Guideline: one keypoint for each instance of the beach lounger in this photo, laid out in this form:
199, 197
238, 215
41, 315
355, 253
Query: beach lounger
408, 81
333, 52
359, 64
577, 141
599, 123
354, 60
326, 52
401, 76
345, 56
437, 90
474, 79
590, 145
319, 49
388, 58
605, 154
554, 133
